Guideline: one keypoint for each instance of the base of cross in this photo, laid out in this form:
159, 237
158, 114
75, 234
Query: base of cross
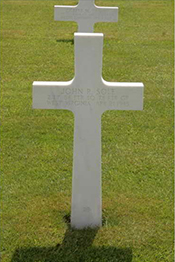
87, 95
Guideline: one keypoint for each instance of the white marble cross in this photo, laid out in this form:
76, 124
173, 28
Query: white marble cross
86, 14
87, 95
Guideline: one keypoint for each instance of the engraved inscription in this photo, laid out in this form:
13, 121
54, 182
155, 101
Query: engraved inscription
84, 14
86, 209
88, 97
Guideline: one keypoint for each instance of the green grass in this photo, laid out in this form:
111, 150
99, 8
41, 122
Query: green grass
137, 156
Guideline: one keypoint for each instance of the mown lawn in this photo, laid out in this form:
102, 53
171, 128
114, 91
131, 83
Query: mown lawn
37, 145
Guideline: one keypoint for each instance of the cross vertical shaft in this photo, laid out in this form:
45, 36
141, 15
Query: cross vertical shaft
86, 182
86, 185
88, 50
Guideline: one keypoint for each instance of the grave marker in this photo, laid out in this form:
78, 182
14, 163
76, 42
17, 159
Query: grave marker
86, 14
87, 95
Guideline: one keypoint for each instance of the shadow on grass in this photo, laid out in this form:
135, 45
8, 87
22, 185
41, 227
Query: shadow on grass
65, 41
76, 247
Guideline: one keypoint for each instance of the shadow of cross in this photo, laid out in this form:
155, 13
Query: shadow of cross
88, 95
86, 14
76, 247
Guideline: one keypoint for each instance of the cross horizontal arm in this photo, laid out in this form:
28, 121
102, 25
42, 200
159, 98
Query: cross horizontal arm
94, 13
49, 95
65, 13
121, 96
106, 14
